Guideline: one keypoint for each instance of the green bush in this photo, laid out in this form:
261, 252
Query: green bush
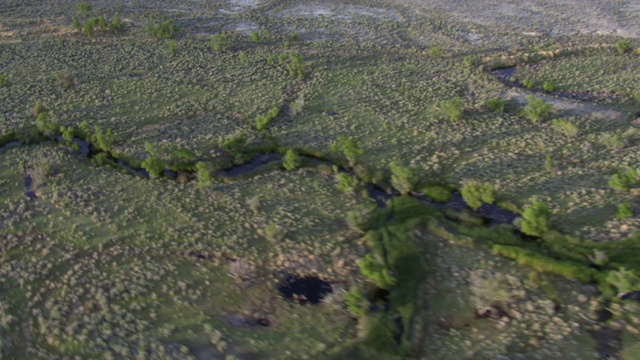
154, 166
623, 280
548, 163
612, 141
92, 24
349, 148
116, 25
451, 109
623, 47
3, 79
347, 183
435, 51
296, 65
535, 218
564, 127
403, 179
527, 83
549, 86
537, 109
165, 30
545, 264
83, 7
624, 211
496, 105
437, 192
469, 61
204, 175
376, 271
475, 193
623, 179
219, 42
356, 302
103, 141
255, 37
46, 125
291, 160
294, 37
263, 121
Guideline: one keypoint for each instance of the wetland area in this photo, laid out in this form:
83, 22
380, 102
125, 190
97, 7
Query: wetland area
280, 179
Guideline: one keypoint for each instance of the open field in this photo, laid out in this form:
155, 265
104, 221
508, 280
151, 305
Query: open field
172, 167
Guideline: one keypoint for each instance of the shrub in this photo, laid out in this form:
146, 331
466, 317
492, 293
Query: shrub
235, 143
612, 141
537, 109
46, 125
242, 56
623, 280
623, 47
64, 79
291, 160
349, 148
92, 24
165, 30
204, 175
496, 105
357, 304
273, 232
255, 37
437, 193
535, 218
116, 25
475, 193
548, 163
263, 121
296, 65
376, 271
624, 211
623, 179
435, 51
469, 61
451, 109
564, 127
103, 141
527, 83
172, 46
355, 220
219, 42
154, 166
549, 86
347, 183
83, 7
402, 179
38, 108
3, 79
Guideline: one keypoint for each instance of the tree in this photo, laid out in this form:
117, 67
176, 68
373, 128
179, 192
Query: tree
103, 141
291, 160
535, 219
475, 193
46, 125
349, 148
204, 175
537, 109
452, 109
403, 179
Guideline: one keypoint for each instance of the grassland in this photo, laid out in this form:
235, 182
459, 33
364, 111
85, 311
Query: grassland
96, 262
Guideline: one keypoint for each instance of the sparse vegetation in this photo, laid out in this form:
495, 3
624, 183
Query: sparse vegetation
451, 109
164, 30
